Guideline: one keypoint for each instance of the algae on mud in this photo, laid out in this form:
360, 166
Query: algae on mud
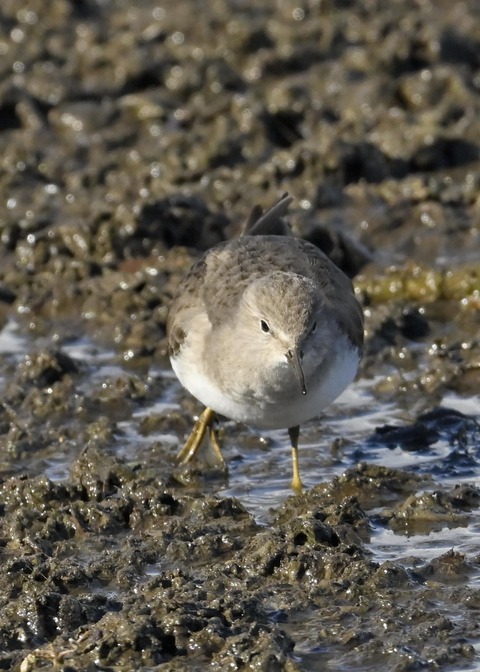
129, 135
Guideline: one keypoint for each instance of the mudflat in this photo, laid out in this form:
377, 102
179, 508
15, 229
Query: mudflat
132, 138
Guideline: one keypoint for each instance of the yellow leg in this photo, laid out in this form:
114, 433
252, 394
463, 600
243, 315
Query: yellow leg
216, 447
195, 439
297, 486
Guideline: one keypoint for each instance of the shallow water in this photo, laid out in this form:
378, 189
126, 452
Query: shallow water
259, 476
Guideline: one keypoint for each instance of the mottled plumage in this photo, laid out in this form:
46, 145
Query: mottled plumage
265, 329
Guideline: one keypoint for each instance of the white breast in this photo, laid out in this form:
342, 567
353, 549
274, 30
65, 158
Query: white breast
289, 409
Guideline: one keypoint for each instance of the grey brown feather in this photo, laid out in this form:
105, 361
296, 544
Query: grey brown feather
264, 329
233, 265
271, 222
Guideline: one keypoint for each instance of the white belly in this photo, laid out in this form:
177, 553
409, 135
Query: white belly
269, 412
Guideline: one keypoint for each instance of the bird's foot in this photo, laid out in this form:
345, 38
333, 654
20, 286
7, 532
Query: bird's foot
196, 437
194, 441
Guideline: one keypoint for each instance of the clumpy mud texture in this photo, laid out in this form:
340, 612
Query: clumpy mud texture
132, 137
115, 566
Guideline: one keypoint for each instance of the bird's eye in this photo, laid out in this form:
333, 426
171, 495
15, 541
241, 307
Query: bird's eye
314, 328
265, 326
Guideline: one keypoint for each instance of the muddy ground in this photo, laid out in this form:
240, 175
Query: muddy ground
132, 137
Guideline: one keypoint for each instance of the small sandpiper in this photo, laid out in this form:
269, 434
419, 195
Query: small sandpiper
265, 330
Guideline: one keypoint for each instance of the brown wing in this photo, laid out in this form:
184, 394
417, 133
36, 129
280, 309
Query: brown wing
186, 303
337, 288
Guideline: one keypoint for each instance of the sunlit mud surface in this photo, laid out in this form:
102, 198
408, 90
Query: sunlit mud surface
383, 545
132, 138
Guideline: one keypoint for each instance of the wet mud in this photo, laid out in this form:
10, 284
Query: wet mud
134, 136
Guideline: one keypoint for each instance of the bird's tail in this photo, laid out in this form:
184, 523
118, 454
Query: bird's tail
271, 222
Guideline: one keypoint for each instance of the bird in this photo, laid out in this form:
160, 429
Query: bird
264, 329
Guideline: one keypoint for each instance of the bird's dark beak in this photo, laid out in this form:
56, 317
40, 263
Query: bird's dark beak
294, 357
